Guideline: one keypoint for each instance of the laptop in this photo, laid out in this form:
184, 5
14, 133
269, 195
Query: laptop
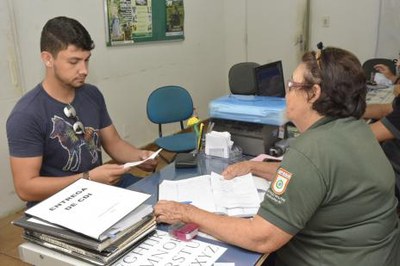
269, 80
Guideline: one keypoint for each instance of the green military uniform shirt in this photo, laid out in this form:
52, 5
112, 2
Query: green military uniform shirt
334, 192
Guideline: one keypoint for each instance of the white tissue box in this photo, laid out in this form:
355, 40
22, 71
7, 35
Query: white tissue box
218, 144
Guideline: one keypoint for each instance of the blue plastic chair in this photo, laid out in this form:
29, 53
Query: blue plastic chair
171, 104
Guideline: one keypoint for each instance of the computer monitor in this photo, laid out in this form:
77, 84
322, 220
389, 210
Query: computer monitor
269, 79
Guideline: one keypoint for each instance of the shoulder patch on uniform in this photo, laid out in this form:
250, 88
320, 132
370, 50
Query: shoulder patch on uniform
281, 181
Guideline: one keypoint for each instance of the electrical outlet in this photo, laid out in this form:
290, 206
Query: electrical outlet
325, 21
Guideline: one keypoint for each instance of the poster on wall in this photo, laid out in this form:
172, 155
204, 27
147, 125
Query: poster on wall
134, 21
174, 17
128, 20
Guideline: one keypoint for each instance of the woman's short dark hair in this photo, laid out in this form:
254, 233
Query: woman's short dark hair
342, 81
59, 32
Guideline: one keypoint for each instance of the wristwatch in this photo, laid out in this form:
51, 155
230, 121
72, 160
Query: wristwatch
85, 175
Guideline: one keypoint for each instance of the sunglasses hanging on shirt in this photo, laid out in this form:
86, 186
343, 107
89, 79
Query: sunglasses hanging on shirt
70, 112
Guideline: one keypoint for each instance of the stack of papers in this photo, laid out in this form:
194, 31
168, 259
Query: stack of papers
96, 206
235, 197
91, 221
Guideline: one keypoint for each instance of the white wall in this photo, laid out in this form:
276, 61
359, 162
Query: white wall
216, 35
388, 45
127, 74
10, 91
353, 25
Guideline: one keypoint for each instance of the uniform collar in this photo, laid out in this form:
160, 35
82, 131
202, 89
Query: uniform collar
322, 121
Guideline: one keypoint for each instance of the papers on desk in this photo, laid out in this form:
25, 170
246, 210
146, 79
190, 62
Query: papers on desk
151, 157
235, 197
89, 208
380, 96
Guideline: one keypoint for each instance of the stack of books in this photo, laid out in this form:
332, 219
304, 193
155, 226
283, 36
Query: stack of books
90, 221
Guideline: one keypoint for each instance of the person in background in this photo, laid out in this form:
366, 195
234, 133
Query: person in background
385, 70
386, 125
56, 131
331, 200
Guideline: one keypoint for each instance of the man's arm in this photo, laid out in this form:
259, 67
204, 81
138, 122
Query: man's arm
381, 132
377, 111
30, 186
122, 151
384, 69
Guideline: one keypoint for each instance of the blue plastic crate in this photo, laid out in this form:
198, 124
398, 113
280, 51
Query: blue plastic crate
249, 108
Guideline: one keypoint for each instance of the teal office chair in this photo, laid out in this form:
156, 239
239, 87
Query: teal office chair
368, 66
172, 104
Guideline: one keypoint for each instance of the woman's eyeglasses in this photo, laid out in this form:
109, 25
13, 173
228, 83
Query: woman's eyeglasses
70, 112
292, 85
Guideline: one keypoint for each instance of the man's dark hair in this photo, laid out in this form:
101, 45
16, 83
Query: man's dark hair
59, 32
342, 81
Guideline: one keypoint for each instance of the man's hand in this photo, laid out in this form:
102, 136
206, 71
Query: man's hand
108, 173
148, 165
384, 69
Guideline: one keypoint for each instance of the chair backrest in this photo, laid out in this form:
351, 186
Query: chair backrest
242, 78
368, 66
169, 104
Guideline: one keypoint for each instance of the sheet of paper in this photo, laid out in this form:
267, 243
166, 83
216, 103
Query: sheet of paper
213, 193
88, 207
262, 186
133, 217
37, 221
196, 190
235, 197
380, 96
261, 183
162, 249
151, 157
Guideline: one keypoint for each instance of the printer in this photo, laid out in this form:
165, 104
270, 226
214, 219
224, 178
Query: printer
254, 122
252, 138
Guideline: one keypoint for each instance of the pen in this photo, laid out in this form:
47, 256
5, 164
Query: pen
210, 127
200, 136
186, 202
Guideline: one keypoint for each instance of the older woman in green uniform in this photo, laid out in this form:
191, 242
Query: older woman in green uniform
331, 201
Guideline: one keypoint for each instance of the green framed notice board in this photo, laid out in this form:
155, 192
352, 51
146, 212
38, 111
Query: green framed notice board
133, 21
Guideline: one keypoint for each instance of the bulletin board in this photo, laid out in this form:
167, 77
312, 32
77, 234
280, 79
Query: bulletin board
134, 21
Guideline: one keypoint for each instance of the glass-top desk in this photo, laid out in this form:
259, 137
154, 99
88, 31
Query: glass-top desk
205, 165
37, 255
